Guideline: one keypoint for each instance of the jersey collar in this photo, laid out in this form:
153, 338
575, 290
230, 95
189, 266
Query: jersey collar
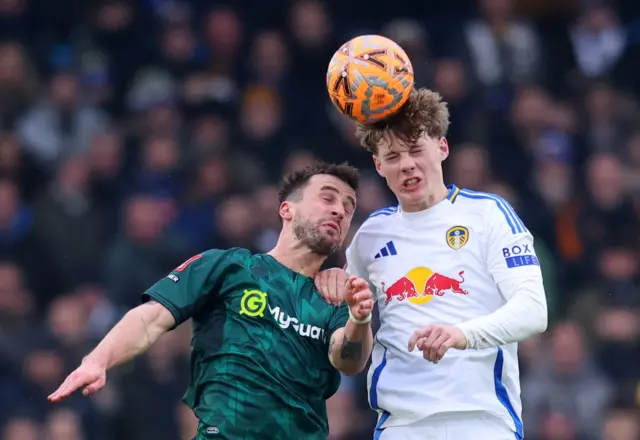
453, 193
435, 209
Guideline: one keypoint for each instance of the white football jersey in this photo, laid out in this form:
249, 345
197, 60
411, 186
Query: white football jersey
456, 261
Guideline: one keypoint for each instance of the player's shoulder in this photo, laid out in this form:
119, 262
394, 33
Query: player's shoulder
214, 252
491, 208
219, 255
379, 220
381, 217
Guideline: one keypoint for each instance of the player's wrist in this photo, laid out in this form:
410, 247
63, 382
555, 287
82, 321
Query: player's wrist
465, 336
355, 320
96, 361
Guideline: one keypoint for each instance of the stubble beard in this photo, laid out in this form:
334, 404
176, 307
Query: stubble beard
308, 234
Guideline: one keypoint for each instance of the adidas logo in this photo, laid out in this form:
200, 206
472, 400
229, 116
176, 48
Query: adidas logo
388, 249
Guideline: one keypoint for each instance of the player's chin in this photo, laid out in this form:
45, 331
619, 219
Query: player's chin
335, 242
331, 239
326, 243
411, 197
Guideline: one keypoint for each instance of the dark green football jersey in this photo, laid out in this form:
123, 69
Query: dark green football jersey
260, 368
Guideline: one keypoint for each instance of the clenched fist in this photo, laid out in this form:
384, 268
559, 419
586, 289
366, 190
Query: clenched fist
359, 298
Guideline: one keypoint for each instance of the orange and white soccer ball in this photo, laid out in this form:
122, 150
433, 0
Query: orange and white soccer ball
369, 78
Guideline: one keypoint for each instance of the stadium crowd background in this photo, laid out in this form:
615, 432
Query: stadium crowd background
134, 134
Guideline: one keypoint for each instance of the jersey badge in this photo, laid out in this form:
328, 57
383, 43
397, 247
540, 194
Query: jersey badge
253, 303
184, 265
457, 237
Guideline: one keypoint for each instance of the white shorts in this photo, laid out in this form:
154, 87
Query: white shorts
460, 426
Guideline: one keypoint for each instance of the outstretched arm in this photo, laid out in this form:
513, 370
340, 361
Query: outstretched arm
350, 346
168, 303
130, 337
133, 335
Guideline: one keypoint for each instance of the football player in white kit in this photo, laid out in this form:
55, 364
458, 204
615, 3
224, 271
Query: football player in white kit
458, 284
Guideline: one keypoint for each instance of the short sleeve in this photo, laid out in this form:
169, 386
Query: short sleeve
338, 319
509, 247
189, 285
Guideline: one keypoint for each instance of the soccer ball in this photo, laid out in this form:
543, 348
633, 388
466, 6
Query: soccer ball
369, 78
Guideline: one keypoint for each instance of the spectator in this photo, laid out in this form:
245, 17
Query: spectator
136, 134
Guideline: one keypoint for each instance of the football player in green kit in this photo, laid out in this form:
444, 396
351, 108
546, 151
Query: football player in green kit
266, 346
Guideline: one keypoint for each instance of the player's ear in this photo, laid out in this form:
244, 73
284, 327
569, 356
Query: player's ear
377, 164
286, 210
443, 148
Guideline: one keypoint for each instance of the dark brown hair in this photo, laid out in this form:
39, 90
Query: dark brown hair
423, 113
297, 180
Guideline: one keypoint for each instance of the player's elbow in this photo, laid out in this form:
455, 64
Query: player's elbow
350, 368
351, 371
530, 306
156, 320
537, 326
538, 317
542, 322
351, 357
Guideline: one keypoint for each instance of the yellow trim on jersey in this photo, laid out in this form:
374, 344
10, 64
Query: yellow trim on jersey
453, 194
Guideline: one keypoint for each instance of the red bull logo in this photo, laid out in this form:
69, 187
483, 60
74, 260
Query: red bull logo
421, 284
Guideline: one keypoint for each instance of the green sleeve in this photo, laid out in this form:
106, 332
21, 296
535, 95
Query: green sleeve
191, 284
338, 319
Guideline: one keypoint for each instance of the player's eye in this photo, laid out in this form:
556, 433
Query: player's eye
349, 209
328, 198
392, 157
416, 151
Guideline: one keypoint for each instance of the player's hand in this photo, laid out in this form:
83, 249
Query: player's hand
89, 375
331, 284
434, 341
359, 297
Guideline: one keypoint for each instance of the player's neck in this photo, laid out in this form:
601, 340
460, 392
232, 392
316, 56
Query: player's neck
298, 258
433, 197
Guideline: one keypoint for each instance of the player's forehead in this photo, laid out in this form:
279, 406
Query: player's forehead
392, 143
327, 182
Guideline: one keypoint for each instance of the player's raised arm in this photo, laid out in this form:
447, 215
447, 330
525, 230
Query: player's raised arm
131, 336
350, 346
514, 266
168, 303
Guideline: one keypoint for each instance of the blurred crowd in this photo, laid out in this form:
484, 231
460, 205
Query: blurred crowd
135, 133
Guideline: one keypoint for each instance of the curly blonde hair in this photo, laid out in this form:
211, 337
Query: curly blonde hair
423, 113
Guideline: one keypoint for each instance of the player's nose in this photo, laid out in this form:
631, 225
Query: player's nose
338, 212
407, 163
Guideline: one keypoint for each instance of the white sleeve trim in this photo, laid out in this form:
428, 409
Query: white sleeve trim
524, 315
